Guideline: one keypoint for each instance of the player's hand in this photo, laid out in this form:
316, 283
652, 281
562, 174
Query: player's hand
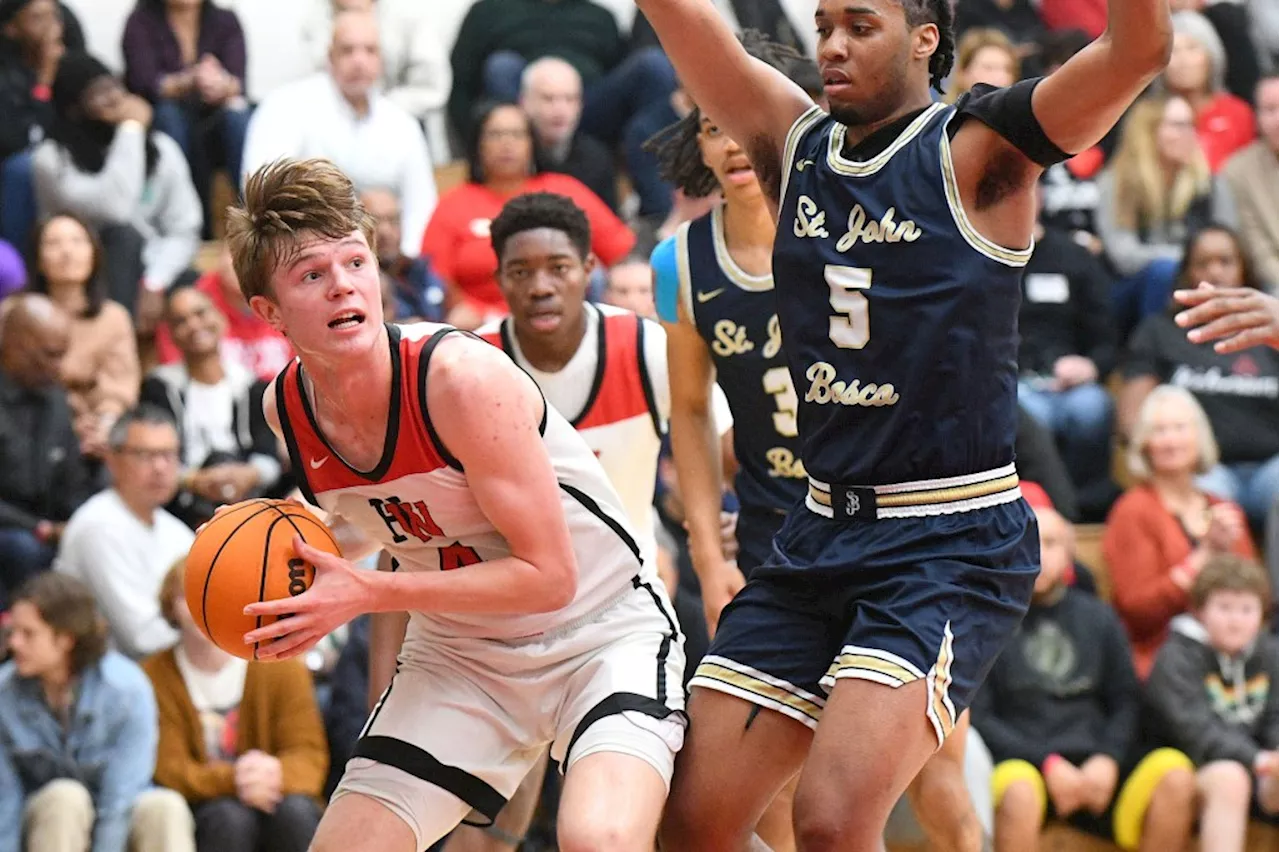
1073, 370
1101, 774
1236, 317
340, 592
718, 588
1066, 787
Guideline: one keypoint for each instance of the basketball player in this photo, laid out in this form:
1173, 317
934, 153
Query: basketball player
904, 225
1238, 318
604, 369
532, 621
714, 292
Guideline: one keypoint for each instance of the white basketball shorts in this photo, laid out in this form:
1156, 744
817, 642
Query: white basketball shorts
464, 720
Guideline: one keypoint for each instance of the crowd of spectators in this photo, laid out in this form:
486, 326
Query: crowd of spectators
132, 371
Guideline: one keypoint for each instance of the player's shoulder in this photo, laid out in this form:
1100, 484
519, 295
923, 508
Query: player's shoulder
665, 261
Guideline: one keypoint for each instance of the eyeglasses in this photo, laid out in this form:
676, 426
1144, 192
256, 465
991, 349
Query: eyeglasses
143, 454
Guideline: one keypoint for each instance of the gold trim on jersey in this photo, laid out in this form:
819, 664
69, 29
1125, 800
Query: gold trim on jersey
730, 267
872, 664
979, 243
931, 496
942, 712
855, 168
733, 678
805, 122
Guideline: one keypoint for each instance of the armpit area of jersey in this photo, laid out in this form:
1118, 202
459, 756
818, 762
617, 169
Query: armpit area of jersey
1008, 112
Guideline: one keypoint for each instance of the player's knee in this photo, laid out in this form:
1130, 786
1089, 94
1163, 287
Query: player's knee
1226, 783
688, 827
825, 822
1176, 792
602, 834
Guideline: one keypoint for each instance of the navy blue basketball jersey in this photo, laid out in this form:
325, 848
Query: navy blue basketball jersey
900, 319
736, 314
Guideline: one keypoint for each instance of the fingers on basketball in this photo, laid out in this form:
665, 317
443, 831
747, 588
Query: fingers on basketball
246, 554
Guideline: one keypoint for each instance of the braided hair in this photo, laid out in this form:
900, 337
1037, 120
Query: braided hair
942, 13
676, 146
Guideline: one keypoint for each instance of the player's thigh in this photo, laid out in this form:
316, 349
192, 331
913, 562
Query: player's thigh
356, 821
436, 749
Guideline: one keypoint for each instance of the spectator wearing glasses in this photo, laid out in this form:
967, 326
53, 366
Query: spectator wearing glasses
121, 542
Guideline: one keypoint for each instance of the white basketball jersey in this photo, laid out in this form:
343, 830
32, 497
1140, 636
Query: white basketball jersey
614, 392
417, 502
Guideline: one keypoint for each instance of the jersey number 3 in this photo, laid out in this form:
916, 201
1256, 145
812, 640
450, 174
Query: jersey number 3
850, 326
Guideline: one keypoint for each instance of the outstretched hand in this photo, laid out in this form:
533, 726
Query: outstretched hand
339, 593
1237, 318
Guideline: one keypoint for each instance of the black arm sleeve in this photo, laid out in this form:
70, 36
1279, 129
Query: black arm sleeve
1008, 112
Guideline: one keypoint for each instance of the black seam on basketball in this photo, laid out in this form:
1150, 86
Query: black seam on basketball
602, 357
208, 577
646, 383
262, 571
312, 519
593, 507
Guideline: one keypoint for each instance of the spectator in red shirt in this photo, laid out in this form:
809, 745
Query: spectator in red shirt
248, 341
1197, 71
502, 167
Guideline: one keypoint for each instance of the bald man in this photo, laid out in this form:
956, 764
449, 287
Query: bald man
43, 478
342, 115
551, 93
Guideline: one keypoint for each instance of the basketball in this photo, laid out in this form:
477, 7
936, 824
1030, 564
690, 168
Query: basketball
243, 556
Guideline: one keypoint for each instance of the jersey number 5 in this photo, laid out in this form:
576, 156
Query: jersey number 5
850, 326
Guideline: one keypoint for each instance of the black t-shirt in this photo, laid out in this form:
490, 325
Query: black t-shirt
1238, 392
1065, 309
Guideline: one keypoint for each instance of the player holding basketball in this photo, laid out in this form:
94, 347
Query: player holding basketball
434, 446
903, 229
714, 292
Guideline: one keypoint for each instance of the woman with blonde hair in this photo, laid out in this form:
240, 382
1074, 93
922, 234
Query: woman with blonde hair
1163, 530
984, 55
1156, 191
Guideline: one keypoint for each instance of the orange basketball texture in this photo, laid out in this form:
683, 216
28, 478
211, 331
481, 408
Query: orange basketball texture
245, 555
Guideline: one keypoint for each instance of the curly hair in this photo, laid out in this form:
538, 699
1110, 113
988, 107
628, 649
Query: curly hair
676, 146
540, 210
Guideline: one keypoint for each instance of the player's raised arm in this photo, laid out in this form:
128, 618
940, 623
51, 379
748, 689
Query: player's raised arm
1080, 102
753, 102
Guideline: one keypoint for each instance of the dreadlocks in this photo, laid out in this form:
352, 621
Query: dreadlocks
676, 146
942, 13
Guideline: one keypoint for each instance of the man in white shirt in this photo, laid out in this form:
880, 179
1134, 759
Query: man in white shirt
121, 543
342, 116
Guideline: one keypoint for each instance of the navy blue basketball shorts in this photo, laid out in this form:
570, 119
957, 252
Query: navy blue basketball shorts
755, 531
890, 598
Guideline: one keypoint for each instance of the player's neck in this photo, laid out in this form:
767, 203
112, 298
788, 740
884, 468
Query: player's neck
359, 386
748, 223
552, 354
854, 134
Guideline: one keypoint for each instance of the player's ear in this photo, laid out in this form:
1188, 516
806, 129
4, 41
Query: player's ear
267, 311
925, 38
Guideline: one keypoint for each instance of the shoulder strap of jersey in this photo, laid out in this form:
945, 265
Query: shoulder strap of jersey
424, 363
286, 385
809, 119
646, 382
602, 364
